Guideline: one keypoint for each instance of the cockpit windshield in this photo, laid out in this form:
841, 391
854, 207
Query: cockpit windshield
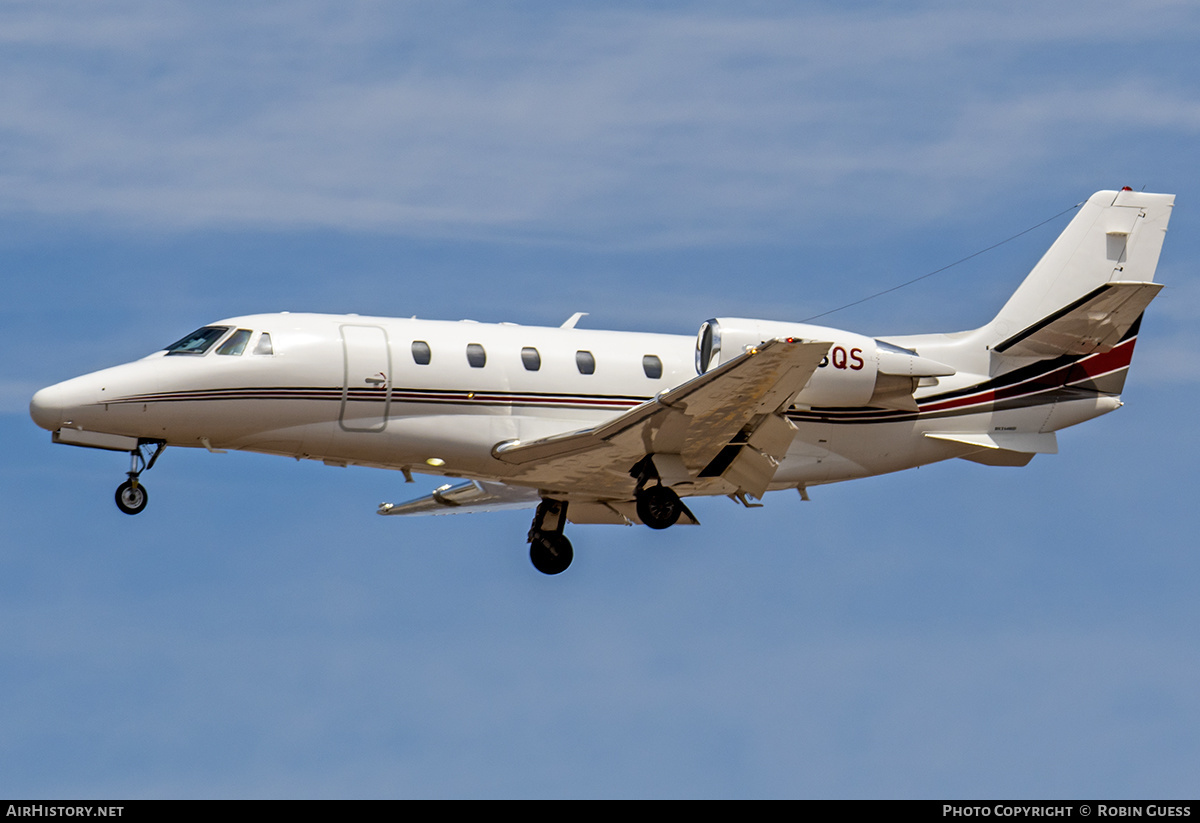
199, 341
236, 344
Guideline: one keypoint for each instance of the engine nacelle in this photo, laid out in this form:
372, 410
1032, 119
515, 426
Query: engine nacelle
857, 371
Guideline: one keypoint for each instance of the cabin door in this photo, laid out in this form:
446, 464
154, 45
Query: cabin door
366, 388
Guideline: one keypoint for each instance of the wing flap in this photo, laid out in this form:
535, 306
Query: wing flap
1095, 322
628, 510
596, 511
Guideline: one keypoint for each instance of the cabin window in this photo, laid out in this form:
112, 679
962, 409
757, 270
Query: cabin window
531, 358
199, 341
652, 366
476, 356
421, 353
236, 344
585, 362
263, 346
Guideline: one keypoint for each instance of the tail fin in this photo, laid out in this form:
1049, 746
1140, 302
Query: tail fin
1092, 286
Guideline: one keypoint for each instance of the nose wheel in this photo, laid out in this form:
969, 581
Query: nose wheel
131, 495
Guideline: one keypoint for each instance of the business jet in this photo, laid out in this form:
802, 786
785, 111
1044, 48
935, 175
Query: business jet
614, 427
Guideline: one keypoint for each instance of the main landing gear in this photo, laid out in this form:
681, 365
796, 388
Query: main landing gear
549, 548
658, 506
131, 495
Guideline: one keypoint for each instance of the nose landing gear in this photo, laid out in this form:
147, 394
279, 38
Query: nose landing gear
131, 495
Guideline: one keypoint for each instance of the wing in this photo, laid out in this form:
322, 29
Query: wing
474, 496
1095, 322
722, 432
482, 496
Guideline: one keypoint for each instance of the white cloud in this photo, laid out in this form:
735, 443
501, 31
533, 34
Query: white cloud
682, 125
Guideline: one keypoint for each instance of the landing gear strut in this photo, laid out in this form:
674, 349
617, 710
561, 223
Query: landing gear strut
131, 495
549, 549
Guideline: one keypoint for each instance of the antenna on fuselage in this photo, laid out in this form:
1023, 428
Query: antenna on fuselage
573, 319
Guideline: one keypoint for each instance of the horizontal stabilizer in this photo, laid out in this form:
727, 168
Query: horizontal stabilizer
1094, 323
472, 496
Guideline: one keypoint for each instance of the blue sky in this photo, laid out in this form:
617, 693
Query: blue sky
955, 631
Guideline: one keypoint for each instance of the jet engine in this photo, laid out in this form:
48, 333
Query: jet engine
857, 371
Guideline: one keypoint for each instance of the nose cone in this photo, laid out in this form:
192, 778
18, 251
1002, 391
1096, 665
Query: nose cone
46, 408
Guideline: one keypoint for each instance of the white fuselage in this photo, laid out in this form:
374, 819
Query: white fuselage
615, 427
436, 397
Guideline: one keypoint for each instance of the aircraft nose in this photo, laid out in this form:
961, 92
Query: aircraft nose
46, 408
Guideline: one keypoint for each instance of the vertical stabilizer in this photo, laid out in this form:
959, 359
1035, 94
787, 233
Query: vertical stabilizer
1115, 238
